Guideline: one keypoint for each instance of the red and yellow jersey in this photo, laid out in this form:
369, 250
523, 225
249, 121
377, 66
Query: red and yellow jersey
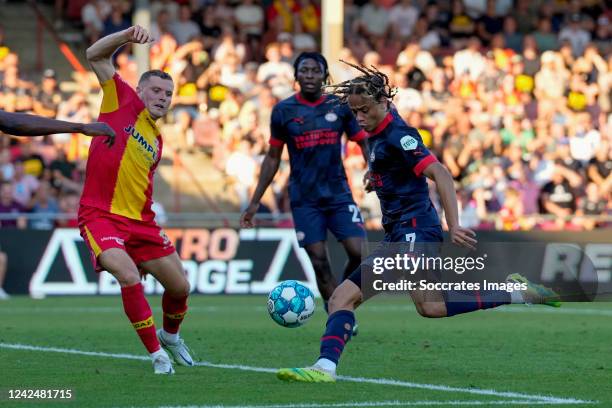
120, 179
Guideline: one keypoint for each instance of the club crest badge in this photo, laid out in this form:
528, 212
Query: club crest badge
331, 117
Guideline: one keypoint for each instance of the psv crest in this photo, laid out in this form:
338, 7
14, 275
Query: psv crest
331, 117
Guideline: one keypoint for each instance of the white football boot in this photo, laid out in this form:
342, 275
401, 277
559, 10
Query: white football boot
162, 364
179, 351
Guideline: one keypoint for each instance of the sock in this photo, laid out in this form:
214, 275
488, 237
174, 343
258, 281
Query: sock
458, 302
171, 338
138, 311
159, 352
338, 332
174, 312
326, 365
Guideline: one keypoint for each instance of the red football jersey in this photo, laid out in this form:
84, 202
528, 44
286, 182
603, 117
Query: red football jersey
120, 179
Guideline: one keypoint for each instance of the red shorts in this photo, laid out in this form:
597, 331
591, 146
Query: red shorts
101, 230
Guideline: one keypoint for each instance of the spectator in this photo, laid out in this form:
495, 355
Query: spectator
374, 20
577, 36
512, 38
44, 208
309, 17
93, 15
8, 205
599, 169
544, 37
470, 60
489, 24
558, 196
528, 189
593, 204
49, 97
275, 72
33, 163
170, 7
184, 29
403, 17
281, 15
525, 17
117, 20
68, 208
24, 185
250, 20
241, 168
162, 25
7, 170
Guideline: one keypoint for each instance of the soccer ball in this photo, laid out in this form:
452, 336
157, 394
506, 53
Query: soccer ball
291, 304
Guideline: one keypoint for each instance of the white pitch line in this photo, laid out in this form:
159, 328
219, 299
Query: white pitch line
425, 403
380, 381
551, 310
366, 309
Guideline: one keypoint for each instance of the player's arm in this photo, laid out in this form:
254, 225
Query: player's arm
269, 168
448, 198
359, 136
99, 53
22, 124
363, 144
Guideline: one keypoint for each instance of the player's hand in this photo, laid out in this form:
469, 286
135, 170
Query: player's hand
246, 219
100, 129
137, 34
464, 237
366, 182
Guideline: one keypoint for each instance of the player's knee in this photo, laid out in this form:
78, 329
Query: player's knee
431, 309
127, 278
179, 289
321, 267
343, 299
353, 251
3, 258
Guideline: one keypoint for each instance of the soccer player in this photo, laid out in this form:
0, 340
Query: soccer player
311, 124
398, 163
21, 124
115, 216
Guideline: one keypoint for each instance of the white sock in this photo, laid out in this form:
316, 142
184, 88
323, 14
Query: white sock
160, 352
171, 338
326, 365
516, 296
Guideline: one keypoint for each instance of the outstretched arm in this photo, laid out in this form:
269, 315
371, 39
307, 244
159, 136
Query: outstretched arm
269, 168
365, 152
21, 124
448, 197
99, 53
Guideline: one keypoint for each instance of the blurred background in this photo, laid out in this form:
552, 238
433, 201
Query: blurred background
512, 96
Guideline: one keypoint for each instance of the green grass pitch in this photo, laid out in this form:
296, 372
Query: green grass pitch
523, 356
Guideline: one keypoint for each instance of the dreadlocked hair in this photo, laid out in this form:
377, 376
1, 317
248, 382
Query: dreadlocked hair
372, 83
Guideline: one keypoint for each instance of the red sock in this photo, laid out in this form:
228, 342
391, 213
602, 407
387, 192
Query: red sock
174, 312
138, 311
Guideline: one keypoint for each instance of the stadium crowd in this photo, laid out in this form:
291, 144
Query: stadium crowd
514, 97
